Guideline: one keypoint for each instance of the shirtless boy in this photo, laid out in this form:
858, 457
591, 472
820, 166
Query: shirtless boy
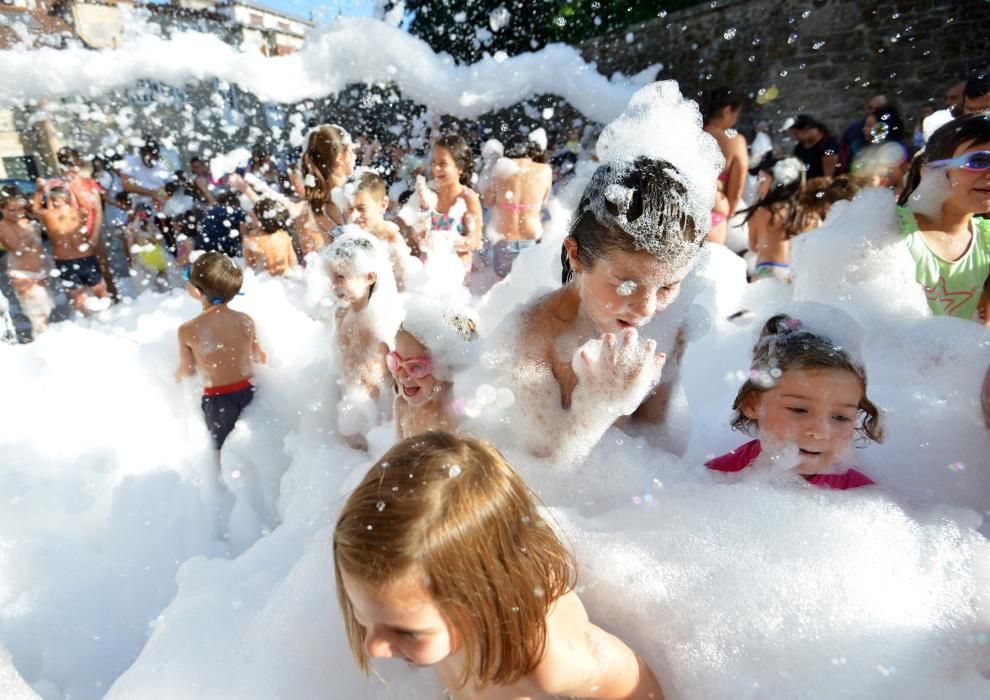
367, 208
20, 236
73, 245
220, 343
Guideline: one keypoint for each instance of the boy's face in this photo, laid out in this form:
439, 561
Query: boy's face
367, 212
349, 287
15, 209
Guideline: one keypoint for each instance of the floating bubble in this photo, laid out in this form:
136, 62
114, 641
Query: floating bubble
380, 506
498, 18
729, 33
817, 45
453, 469
957, 467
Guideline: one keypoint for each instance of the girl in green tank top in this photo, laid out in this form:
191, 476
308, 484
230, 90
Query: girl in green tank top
951, 245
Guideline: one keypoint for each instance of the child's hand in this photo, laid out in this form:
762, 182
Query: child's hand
179, 375
618, 371
262, 357
421, 191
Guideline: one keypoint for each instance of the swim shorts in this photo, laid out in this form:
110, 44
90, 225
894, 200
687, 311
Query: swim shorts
222, 406
80, 272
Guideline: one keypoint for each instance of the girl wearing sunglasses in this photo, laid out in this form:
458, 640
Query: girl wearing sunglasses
434, 342
941, 210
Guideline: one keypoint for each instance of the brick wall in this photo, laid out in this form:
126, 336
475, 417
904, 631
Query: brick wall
825, 57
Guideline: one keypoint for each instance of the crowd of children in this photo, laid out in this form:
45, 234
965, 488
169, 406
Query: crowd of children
460, 572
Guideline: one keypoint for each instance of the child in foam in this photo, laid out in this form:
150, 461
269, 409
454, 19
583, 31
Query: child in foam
26, 259
434, 341
578, 363
145, 247
948, 187
327, 161
64, 218
268, 248
368, 314
805, 391
221, 343
443, 559
453, 210
519, 188
367, 203
775, 219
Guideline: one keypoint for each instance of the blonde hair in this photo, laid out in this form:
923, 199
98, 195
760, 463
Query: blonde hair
324, 145
451, 511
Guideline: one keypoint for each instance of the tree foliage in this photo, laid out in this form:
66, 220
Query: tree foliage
468, 29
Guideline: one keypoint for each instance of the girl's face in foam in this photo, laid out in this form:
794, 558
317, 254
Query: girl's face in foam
816, 409
416, 392
350, 287
365, 211
970, 189
443, 168
400, 620
625, 290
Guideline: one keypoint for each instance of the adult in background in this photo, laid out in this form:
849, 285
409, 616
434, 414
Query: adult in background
976, 94
724, 105
145, 174
520, 186
816, 147
852, 141
954, 98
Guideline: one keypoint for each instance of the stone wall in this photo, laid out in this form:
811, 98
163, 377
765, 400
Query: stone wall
824, 57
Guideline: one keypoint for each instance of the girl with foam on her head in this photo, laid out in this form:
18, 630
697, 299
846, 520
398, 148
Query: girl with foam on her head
435, 340
442, 559
948, 187
367, 317
579, 359
327, 161
806, 398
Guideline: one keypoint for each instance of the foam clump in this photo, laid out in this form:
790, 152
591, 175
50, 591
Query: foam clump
659, 123
449, 331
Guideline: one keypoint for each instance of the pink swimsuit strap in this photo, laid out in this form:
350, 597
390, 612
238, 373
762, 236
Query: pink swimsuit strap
515, 206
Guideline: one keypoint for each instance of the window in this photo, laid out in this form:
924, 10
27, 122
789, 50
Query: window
257, 20
284, 26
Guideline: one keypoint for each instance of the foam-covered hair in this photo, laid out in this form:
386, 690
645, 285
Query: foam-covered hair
363, 252
448, 331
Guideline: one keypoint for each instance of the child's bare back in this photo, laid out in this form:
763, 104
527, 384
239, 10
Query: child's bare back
271, 253
23, 242
221, 344
362, 352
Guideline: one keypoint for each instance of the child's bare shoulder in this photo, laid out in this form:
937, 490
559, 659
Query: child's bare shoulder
568, 665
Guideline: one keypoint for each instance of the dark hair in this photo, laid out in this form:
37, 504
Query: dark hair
216, 276
941, 145
819, 193
68, 157
806, 121
978, 85
783, 200
720, 98
324, 145
893, 126
122, 198
461, 154
525, 147
785, 344
657, 194
9, 192
150, 146
272, 215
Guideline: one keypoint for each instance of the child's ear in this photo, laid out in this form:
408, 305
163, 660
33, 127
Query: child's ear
751, 405
571, 248
372, 277
384, 203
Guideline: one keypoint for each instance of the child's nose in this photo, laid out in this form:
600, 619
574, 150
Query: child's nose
377, 646
645, 306
818, 428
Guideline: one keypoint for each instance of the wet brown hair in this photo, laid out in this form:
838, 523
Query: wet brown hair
658, 193
942, 144
819, 193
785, 344
452, 512
216, 276
461, 153
272, 215
323, 148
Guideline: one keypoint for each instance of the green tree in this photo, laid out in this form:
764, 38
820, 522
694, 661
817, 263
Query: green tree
466, 30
